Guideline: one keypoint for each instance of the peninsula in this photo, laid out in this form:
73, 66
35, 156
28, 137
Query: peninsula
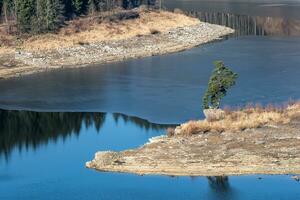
248, 141
113, 37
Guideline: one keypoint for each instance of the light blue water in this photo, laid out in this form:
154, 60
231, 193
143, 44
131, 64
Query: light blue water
54, 168
42, 155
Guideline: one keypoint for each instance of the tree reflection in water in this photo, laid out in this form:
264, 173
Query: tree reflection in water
220, 188
24, 129
220, 183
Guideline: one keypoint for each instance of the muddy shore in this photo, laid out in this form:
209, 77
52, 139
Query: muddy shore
175, 40
267, 150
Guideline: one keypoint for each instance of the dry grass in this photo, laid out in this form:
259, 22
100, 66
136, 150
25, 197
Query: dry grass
247, 118
86, 30
6, 42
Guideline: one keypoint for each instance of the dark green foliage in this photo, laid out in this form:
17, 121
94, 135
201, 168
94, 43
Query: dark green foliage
23, 129
220, 81
54, 11
25, 14
48, 17
1, 6
39, 16
78, 6
100, 5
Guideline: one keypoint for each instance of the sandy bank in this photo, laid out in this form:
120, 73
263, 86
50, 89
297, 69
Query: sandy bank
136, 38
271, 149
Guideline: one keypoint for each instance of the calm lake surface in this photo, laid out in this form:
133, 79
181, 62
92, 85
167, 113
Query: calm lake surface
42, 154
165, 89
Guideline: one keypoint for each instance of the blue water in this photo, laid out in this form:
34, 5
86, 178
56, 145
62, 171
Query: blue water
165, 89
268, 8
43, 154
54, 168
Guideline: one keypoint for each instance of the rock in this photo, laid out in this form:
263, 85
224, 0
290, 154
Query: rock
156, 139
213, 114
260, 142
296, 178
178, 11
177, 130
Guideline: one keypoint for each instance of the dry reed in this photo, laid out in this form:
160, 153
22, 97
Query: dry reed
249, 117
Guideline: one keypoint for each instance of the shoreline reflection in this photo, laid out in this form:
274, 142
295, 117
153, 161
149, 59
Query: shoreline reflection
26, 129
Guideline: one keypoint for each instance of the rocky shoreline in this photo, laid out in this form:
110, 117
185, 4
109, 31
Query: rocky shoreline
175, 40
267, 150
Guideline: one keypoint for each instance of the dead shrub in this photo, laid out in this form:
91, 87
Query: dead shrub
5, 41
193, 127
78, 25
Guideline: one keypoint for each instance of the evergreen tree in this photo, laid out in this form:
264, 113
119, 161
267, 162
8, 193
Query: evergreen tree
78, 6
25, 13
54, 17
39, 21
47, 15
1, 7
92, 7
68, 8
220, 81
7, 10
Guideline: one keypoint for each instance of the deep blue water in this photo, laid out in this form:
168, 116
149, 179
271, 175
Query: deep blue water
43, 154
52, 167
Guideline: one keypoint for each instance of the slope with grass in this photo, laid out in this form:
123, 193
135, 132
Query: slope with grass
102, 39
248, 141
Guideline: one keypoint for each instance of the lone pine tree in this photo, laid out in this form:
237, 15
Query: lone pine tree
221, 80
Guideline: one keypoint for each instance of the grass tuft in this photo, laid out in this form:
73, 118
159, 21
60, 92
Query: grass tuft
249, 117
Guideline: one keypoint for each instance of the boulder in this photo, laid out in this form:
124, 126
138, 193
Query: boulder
213, 114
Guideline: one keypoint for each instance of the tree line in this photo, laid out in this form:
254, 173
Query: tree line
24, 129
39, 16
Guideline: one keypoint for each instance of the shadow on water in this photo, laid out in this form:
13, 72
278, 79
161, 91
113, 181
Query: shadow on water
24, 129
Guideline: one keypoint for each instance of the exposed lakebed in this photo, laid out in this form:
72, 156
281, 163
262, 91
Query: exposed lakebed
45, 157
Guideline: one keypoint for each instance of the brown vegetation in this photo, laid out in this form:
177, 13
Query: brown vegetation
268, 150
97, 29
247, 118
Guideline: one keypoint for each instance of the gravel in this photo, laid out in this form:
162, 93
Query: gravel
140, 46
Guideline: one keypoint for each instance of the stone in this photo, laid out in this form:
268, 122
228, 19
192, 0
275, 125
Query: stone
296, 178
213, 114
